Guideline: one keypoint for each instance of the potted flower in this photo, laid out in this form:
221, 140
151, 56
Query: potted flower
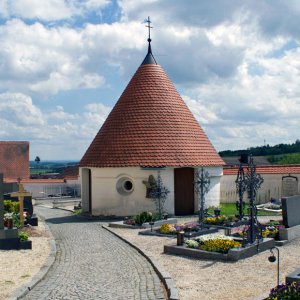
8, 220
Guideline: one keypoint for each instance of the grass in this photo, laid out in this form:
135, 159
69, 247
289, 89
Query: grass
229, 209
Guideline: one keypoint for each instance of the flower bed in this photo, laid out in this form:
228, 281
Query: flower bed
285, 291
223, 221
213, 243
268, 230
216, 247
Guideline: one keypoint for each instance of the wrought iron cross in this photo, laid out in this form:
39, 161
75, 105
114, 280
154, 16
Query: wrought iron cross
253, 181
202, 185
241, 188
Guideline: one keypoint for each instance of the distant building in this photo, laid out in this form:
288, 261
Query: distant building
14, 160
149, 130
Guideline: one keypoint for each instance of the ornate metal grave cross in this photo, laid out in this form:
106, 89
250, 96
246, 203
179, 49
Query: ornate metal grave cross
202, 185
241, 189
21, 194
253, 182
159, 193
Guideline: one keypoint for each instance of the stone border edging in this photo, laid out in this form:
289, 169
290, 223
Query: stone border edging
26, 287
164, 276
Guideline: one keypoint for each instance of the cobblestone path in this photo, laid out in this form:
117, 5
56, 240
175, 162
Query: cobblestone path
91, 263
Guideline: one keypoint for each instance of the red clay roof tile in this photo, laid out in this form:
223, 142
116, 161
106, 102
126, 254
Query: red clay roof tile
150, 126
268, 169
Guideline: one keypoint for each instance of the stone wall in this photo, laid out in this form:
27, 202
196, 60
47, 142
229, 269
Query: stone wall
271, 188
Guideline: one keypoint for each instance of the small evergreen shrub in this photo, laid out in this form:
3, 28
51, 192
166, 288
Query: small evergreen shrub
23, 236
11, 206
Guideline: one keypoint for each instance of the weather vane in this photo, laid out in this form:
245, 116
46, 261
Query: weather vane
149, 28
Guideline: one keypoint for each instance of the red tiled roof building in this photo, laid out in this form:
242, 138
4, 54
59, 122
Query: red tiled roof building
150, 127
14, 160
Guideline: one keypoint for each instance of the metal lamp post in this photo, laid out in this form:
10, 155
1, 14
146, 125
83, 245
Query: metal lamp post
272, 259
202, 185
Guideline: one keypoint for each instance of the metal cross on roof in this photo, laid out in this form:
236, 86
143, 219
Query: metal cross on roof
149, 28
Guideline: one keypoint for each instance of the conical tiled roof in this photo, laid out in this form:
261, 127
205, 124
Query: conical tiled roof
150, 126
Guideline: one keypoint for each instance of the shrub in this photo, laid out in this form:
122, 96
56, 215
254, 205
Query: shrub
11, 206
290, 291
23, 236
143, 217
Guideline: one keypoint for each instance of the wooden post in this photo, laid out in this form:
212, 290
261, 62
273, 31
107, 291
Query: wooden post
21, 194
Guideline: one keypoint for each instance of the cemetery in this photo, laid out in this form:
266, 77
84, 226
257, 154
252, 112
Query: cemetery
165, 196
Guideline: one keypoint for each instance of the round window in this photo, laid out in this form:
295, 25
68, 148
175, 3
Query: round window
124, 185
128, 185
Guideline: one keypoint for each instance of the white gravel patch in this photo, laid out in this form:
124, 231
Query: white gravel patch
19, 266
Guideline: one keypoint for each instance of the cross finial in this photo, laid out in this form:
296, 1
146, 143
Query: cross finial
149, 28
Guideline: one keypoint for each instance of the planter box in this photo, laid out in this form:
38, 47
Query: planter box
289, 233
120, 224
293, 277
25, 245
234, 254
190, 234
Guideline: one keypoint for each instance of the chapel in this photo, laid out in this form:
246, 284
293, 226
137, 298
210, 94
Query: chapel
149, 131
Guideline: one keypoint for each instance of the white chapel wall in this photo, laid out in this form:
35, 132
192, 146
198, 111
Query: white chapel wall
212, 198
107, 201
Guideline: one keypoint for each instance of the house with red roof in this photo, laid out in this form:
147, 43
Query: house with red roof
149, 130
14, 160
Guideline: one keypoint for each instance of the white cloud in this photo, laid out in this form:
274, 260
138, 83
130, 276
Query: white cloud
49, 10
51, 132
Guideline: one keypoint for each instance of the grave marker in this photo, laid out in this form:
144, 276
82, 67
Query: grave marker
291, 211
21, 194
289, 186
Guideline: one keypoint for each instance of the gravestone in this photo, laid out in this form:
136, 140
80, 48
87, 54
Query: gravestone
8, 237
291, 211
289, 186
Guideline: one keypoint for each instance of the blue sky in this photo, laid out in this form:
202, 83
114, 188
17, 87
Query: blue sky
64, 64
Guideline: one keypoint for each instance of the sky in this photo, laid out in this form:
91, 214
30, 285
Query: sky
65, 63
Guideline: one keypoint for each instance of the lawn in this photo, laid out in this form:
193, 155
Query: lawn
229, 209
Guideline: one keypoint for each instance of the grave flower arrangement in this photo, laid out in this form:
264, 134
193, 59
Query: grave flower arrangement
285, 291
173, 228
221, 220
213, 243
267, 231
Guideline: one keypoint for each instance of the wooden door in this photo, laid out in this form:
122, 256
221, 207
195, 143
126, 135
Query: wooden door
184, 191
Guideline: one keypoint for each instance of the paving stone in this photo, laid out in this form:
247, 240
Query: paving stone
91, 263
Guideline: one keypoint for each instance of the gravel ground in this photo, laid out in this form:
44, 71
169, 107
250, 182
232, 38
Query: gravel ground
19, 266
205, 279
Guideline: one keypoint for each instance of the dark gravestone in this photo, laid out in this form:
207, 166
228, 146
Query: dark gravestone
289, 186
291, 211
